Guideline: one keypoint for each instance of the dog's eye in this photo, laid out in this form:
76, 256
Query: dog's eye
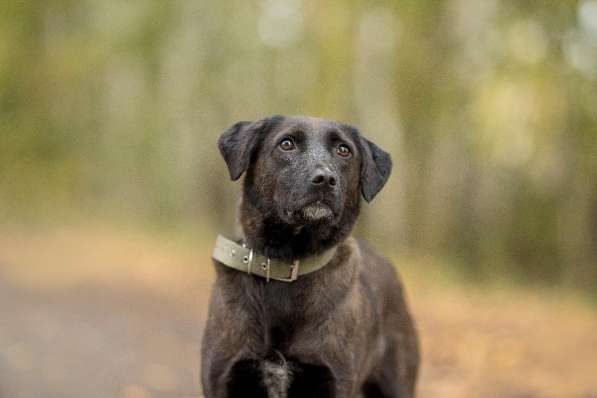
286, 144
343, 150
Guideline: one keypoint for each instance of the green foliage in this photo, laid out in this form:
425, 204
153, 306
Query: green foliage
488, 109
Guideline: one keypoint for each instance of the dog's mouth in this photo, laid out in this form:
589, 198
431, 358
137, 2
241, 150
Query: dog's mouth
317, 211
311, 212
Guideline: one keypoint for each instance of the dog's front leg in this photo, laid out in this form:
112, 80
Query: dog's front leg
234, 379
311, 381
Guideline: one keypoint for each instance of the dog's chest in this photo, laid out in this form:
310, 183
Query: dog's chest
284, 312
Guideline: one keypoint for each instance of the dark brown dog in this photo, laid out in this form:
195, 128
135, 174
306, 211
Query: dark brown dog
343, 331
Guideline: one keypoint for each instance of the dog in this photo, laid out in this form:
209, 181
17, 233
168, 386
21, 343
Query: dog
299, 307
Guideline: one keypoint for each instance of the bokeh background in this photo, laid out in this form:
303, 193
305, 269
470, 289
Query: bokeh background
112, 189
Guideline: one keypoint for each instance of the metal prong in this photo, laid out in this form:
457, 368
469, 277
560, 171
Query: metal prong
268, 272
250, 261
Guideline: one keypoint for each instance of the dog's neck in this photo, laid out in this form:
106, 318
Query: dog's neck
268, 235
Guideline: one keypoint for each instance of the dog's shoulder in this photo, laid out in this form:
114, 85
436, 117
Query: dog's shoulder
375, 267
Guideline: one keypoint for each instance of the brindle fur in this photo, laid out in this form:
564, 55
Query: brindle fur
343, 331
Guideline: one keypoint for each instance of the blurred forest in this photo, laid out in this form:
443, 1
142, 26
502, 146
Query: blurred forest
111, 110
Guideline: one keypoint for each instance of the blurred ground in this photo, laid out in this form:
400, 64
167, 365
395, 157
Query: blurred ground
97, 312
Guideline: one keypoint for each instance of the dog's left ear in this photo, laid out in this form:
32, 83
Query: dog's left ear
376, 166
238, 143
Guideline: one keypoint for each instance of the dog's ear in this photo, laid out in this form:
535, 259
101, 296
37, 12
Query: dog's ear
238, 143
376, 166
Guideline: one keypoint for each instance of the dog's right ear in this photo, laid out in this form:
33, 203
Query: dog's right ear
238, 143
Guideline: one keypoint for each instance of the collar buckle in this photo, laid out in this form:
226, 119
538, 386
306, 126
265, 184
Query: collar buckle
294, 271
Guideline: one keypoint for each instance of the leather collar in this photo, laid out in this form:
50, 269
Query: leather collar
241, 258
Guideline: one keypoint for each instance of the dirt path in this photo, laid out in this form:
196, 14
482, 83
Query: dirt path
97, 341
85, 325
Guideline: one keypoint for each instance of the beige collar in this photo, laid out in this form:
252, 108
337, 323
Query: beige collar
243, 259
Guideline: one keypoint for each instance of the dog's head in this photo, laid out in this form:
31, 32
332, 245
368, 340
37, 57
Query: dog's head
304, 170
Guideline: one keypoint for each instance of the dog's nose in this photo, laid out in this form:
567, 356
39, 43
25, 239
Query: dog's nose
322, 177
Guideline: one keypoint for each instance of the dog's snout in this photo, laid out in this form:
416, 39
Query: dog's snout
323, 177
